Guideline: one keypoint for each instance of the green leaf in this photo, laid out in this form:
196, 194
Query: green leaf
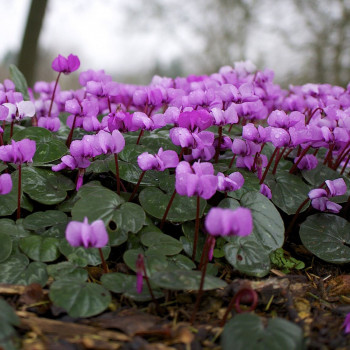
317, 176
183, 208
129, 217
12, 268
126, 284
48, 147
154, 261
87, 256
180, 262
34, 273
185, 280
20, 81
229, 203
43, 219
188, 229
5, 247
8, 202
40, 248
162, 243
96, 204
288, 192
327, 236
14, 229
8, 319
268, 227
45, 186
79, 299
246, 331
246, 256
67, 270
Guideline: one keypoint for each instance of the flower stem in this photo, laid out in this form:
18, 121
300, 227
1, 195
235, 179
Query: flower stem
117, 172
19, 191
217, 153
137, 186
232, 160
139, 138
167, 210
235, 302
196, 231
295, 165
278, 158
201, 285
345, 165
104, 265
268, 165
70, 136
53, 94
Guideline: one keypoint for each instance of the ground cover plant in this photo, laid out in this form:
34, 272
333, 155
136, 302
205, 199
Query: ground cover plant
201, 211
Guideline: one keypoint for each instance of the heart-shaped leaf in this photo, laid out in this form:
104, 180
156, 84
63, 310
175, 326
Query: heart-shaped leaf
246, 255
43, 219
288, 191
12, 267
79, 299
20, 81
45, 186
48, 146
268, 227
34, 273
40, 248
8, 319
165, 244
327, 236
67, 270
5, 247
183, 208
246, 331
96, 204
185, 280
251, 183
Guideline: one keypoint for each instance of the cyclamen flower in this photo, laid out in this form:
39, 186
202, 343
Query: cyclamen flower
266, 191
198, 179
320, 197
5, 183
19, 110
65, 65
18, 152
346, 324
160, 161
87, 235
232, 182
228, 222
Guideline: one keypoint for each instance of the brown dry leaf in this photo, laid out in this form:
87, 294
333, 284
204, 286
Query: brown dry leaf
303, 308
339, 285
129, 321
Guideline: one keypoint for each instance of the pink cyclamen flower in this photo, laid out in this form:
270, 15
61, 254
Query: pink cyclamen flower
19, 110
346, 324
160, 161
228, 222
18, 152
320, 197
198, 179
65, 65
5, 183
87, 235
232, 182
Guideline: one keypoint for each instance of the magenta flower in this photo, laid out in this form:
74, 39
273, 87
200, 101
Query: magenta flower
346, 324
18, 152
109, 142
19, 110
228, 222
198, 179
5, 183
232, 182
266, 191
200, 119
160, 161
87, 235
65, 65
320, 197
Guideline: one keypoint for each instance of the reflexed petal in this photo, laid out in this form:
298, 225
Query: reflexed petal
169, 158
73, 233
26, 109
118, 140
5, 183
317, 193
336, 187
147, 161
207, 186
99, 234
27, 150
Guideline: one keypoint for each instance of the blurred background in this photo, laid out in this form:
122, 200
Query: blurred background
302, 41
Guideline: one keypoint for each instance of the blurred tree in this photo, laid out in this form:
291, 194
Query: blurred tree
28, 53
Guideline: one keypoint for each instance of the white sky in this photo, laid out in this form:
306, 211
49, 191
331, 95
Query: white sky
97, 31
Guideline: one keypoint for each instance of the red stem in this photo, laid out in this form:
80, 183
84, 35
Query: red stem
268, 165
70, 136
167, 210
278, 160
139, 138
295, 165
137, 186
217, 153
53, 94
104, 265
196, 231
117, 172
19, 191
232, 160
